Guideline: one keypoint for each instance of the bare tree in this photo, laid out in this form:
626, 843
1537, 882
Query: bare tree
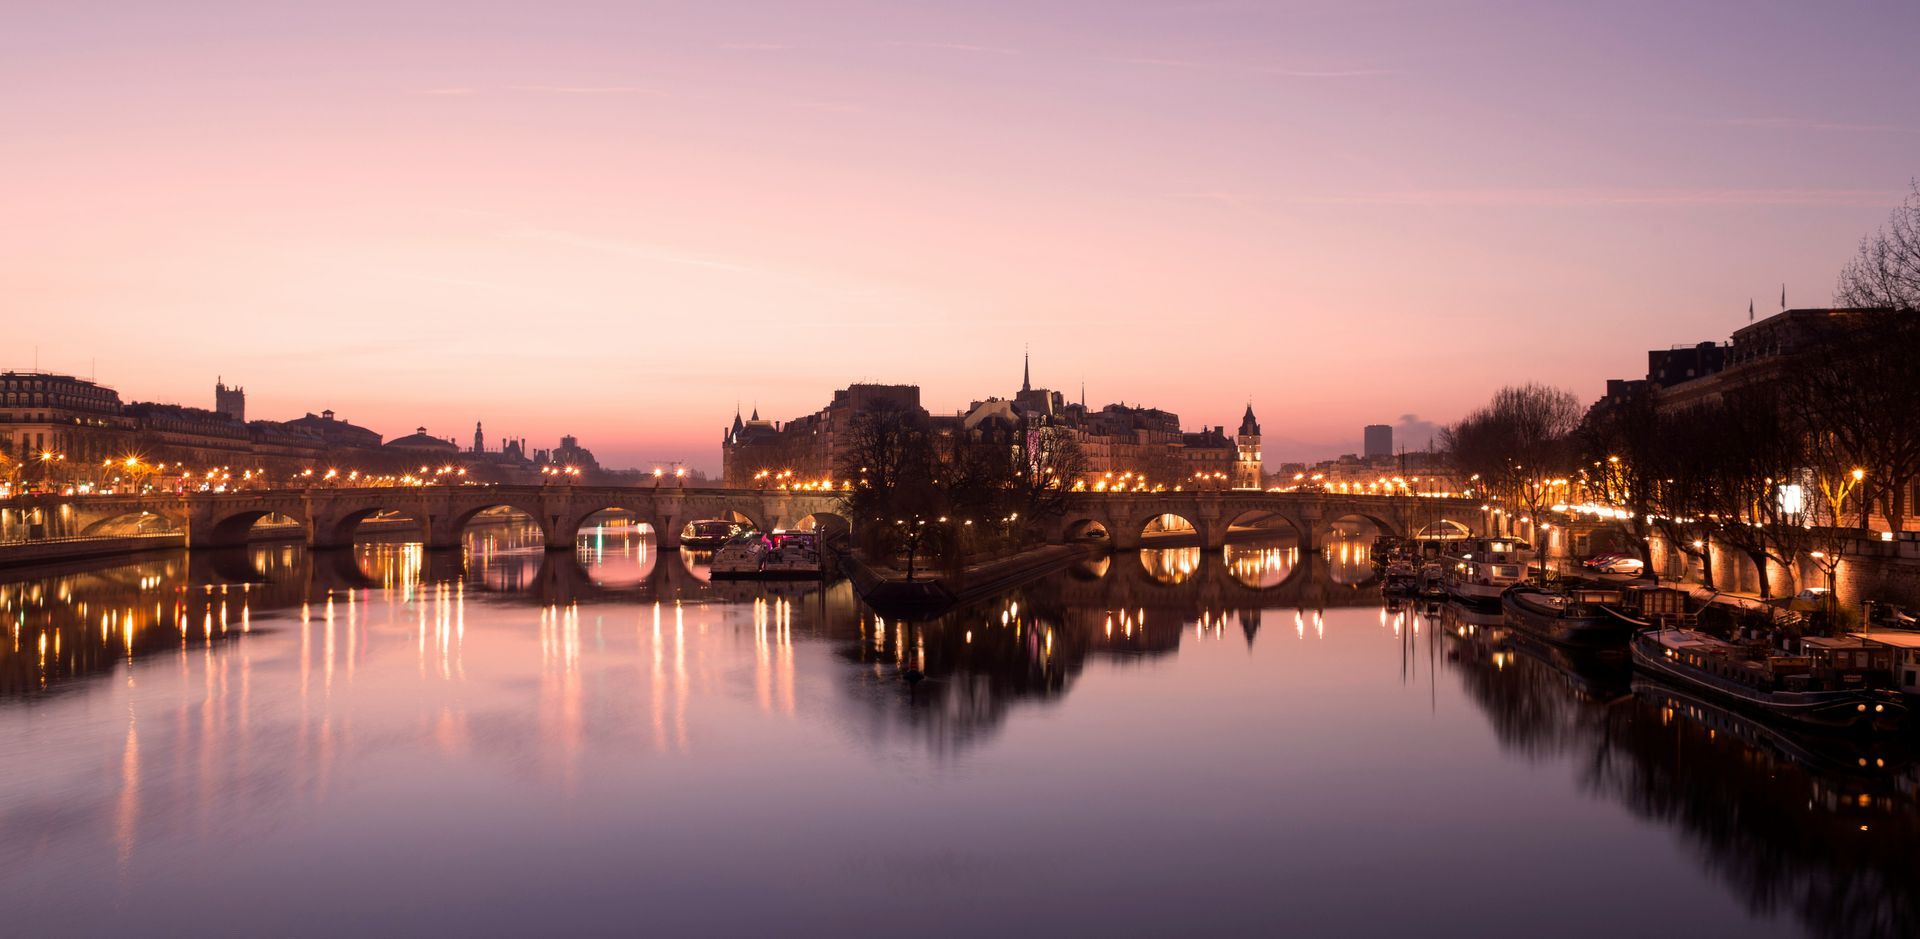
1886, 270
1520, 444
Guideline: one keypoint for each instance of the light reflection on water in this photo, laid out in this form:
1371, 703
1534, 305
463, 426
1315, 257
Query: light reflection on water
272, 742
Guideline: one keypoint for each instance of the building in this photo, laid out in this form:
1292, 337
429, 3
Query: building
50, 417
1142, 445
58, 430
1755, 353
807, 448
336, 433
1376, 440
423, 445
1246, 467
230, 401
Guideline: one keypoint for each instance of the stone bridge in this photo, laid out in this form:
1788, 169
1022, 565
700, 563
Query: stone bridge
1214, 515
329, 517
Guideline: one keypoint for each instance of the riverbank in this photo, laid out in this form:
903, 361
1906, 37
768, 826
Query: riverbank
23, 553
888, 590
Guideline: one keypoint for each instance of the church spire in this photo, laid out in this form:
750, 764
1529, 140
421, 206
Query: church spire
1026, 371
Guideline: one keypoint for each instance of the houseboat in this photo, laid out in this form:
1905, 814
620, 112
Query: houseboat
1485, 570
781, 554
1904, 648
1780, 687
709, 533
1573, 618
1401, 579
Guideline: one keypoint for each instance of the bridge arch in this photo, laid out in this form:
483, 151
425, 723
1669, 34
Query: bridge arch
1263, 521
1087, 528
827, 523
134, 522
452, 529
1167, 525
640, 519
235, 528
341, 529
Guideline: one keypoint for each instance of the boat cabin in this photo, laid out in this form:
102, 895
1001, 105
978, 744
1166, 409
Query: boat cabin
1905, 648
1848, 662
1492, 562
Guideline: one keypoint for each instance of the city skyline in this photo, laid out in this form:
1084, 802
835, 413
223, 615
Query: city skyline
412, 196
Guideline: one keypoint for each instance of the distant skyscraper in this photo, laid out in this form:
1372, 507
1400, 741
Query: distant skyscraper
230, 401
1378, 440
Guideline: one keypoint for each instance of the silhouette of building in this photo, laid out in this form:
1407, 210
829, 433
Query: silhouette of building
1377, 440
1117, 441
230, 401
422, 443
1246, 467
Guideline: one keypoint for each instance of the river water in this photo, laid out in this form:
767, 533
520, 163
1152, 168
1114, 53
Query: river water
503, 741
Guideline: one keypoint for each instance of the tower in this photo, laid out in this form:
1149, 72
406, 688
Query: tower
479, 439
1377, 440
1246, 463
230, 401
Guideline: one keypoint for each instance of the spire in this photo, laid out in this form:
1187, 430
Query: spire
1249, 427
1083, 394
1026, 370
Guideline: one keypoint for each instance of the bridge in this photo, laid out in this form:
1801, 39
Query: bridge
1215, 515
329, 517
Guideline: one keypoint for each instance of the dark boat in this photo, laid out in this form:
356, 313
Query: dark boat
709, 533
1576, 618
1776, 687
1400, 579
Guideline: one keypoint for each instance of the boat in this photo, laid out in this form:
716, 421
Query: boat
780, 554
1431, 582
1400, 579
709, 533
1485, 570
1574, 618
1779, 687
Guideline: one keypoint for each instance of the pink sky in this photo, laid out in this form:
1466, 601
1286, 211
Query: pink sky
616, 219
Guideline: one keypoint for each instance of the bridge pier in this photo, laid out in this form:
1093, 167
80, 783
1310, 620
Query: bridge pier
666, 532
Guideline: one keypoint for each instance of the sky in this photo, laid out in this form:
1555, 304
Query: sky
619, 219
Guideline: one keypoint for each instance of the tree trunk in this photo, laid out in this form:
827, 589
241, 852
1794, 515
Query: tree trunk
1760, 562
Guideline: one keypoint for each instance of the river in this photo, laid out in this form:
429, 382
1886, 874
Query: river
507, 741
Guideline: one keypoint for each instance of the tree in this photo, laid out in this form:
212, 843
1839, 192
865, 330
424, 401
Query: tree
1747, 460
1854, 393
1047, 461
1885, 272
1630, 455
1520, 444
889, 458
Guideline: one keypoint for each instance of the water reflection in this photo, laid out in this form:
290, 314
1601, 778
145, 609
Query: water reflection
175, 710
1819, 829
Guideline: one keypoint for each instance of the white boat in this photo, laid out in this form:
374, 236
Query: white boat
778, 554
1485, 570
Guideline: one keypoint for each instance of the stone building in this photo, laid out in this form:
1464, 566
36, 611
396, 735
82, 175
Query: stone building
1119, 440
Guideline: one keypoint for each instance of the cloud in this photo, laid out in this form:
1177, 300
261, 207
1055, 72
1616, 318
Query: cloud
1575, 196
592, 89
1411, 432
1795, 123
755, 46
826, 105
1325, 73
1236, 68
632, 249
951, 46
